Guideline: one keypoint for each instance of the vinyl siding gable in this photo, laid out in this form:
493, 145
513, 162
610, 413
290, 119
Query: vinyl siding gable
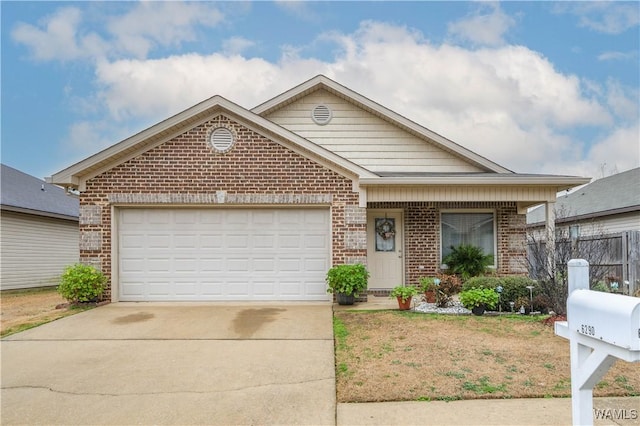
366, 139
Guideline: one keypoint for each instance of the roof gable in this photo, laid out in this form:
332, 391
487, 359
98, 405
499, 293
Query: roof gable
77, 174
27, 194
432, 140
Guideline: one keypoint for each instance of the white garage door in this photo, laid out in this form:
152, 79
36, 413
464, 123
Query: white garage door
223, 254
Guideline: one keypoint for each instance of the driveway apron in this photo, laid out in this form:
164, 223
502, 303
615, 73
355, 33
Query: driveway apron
178, 363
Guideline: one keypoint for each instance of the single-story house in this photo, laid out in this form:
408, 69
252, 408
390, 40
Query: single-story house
224, 203
38, 231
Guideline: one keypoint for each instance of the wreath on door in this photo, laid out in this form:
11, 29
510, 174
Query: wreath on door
386, 229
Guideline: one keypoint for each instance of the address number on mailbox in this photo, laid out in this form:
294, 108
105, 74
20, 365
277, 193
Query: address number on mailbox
589, 330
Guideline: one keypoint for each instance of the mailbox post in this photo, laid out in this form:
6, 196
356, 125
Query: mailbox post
601, 328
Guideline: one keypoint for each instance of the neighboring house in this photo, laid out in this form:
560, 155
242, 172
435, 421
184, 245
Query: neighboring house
606, 210
38, 231
223, 203
605, 206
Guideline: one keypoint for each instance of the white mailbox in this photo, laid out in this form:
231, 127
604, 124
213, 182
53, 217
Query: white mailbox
612, 318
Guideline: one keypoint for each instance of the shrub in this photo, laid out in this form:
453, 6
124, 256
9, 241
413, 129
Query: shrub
600, 286
542, 303
81, 283
347, 279
482, 282
449, 285
478, 297
467, 261
514, 287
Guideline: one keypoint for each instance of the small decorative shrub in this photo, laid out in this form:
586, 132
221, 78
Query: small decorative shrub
514, 287
403, 292
347, 279
600, 286
482, 282
477, 297
542, 303
81, 283
449, 285
467, 261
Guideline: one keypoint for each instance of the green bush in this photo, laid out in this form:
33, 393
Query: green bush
81, 283
482, 282
600, 286
478, 297
514, 287
347, 279
467, 261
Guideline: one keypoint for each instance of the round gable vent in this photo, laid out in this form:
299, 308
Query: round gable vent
221, 139
321, 114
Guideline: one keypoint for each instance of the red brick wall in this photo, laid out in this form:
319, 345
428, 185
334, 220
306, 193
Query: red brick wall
187, 164
422, 236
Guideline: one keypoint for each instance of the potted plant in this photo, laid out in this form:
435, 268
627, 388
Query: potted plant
479, 299
404, 295
429, 287
346, 281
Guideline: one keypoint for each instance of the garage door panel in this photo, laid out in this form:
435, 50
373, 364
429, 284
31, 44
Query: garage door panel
223, 254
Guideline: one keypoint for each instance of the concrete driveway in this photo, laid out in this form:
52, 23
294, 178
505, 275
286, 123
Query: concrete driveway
179, 363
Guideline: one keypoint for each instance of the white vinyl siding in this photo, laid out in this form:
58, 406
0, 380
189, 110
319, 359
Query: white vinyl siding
223, 254
365, 138
35, 249
460, 193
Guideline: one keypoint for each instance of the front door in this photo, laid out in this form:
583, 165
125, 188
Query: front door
385, 248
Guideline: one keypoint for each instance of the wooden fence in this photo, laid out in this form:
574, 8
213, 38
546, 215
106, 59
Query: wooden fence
615, 256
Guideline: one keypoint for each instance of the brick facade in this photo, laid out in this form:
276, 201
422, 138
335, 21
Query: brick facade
186, 170
422, 236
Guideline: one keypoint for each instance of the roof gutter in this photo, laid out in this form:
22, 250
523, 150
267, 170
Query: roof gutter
561, 182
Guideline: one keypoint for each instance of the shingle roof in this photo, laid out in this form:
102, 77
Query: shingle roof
613, 194
22, 192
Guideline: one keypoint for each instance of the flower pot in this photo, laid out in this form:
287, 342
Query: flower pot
404, 305
478, 310
345, 299
430, 296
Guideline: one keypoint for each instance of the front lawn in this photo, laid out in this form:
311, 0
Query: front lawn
408, 356
28, 308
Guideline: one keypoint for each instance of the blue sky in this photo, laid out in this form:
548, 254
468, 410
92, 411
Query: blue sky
538, 87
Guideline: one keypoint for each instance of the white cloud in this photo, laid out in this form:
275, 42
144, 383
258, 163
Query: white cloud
60, 36
486, 26
160, 23
618, 56
56, 37
609, 17
507, 103
620, 150
236, 45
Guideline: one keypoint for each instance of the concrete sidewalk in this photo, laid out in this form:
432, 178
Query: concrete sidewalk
507, 412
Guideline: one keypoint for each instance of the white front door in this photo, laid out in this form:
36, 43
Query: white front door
385, 245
